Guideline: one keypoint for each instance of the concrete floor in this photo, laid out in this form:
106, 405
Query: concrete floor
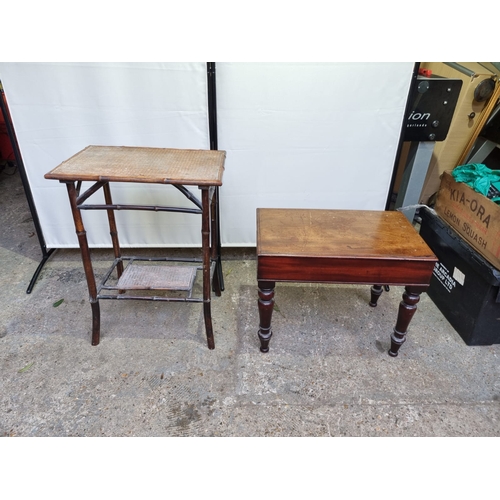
327, 372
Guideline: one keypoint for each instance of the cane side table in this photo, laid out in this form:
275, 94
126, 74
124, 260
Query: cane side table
104, 165
341, 246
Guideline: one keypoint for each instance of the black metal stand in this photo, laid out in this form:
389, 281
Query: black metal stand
24, 178
212, 127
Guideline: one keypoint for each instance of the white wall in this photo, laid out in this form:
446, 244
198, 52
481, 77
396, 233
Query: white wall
296, 135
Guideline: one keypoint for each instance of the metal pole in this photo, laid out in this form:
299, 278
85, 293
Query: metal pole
401, 134
419, 157
212, 127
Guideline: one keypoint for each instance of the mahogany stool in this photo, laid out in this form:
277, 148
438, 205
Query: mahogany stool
341, 246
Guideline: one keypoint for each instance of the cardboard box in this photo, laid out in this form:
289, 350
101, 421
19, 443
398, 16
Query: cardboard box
473, 216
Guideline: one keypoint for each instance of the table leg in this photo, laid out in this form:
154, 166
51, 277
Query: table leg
407, 309
205, 243
376, 292
219, 244
87, 263
112, 229
217, 281
266, 304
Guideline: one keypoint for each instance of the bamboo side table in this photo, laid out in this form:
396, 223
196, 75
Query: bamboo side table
341, 246
104, 165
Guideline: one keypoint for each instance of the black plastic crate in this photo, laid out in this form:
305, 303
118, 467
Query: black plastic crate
464, 286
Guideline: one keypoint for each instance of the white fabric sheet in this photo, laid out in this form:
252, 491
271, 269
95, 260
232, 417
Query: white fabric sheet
58, 109
307, 135
296, 135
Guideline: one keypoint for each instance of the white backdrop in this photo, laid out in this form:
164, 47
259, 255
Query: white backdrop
296, 135
308, 136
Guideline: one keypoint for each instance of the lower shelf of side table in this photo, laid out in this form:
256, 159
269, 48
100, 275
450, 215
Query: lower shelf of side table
137, 277
164, 275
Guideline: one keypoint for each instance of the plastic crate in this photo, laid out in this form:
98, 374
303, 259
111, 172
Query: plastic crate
464, 286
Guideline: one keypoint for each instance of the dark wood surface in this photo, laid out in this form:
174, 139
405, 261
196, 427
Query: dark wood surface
338, 233
341, 246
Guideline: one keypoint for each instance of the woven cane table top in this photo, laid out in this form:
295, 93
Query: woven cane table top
137, 277
195, 167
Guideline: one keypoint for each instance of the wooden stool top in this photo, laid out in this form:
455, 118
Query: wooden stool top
338, 233
137, 164
341, 246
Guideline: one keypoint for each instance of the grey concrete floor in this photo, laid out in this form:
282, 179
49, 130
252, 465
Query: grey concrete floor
327, 372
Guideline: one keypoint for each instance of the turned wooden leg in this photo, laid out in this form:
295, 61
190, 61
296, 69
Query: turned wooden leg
407, 308
266, 304
376, 292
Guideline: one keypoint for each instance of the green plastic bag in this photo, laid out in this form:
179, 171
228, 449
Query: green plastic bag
480, 178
